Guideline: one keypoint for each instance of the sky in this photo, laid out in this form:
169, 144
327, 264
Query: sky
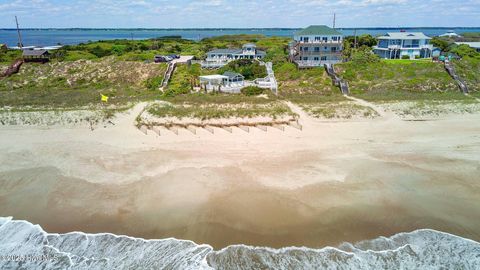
238, 13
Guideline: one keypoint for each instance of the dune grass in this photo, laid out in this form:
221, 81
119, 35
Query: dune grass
399, 80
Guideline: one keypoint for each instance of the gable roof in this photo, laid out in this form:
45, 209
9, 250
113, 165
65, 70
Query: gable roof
320, 30
226, 51
404, 35
232, 75
35, 52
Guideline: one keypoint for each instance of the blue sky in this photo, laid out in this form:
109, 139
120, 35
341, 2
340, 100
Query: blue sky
239, 13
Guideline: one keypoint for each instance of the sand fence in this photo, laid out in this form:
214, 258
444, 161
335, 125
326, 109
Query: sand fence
161, 129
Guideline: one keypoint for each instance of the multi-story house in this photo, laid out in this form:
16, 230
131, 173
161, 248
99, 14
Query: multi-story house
220, 57
315, 46
398, 45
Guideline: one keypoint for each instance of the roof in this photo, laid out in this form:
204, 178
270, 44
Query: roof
214, 77
226, 51
475, 45
450, 34
404, 35
232, 75
34, 52
320, 30
259, 52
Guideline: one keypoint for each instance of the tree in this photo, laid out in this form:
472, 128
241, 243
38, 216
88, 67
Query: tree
441, 43
362, 40
465, 51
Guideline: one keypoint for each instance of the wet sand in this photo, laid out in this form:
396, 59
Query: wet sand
331, 182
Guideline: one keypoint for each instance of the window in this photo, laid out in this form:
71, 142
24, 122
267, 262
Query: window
324, 58
334, 38
334, 49
305, 49
305, 58
325, 39
315, 58
317, 49
305, 39
317, 38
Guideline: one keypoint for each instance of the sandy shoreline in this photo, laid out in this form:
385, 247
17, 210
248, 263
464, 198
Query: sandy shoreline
330, 183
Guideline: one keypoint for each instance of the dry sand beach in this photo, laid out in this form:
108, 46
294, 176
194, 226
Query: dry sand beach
331, 182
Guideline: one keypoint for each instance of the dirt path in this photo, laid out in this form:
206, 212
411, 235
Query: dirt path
127, 119
378, 109
304, 118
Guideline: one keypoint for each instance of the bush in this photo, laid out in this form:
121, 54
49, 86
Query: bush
250, 69
417, 56
252, 91
405, 56
465, 51
119, 49
153, 83
99, 51
364, 56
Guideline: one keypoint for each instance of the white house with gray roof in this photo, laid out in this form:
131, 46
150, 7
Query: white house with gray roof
315, 46
220, 57
400, 45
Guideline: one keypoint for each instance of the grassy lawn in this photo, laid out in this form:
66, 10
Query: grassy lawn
400, 80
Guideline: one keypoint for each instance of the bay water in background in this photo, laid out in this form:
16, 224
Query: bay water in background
49, 37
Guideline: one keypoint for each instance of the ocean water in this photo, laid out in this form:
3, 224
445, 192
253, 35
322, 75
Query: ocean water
33, 248
49, 37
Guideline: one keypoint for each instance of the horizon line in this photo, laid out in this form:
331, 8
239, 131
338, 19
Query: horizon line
232, 28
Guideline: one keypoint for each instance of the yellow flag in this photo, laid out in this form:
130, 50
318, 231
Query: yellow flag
104, 98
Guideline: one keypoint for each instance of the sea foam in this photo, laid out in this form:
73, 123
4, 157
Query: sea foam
421, 249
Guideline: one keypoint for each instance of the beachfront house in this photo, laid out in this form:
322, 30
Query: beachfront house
474, 45
36, 56
230, 82
220, 57
315, 46
403, 45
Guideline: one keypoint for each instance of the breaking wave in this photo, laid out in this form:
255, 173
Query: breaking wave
27, 246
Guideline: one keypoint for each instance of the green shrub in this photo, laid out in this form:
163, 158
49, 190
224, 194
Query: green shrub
364, 56
465, 51
252, 91
153, 83
99, 51
250, 69
405, 56
417, 56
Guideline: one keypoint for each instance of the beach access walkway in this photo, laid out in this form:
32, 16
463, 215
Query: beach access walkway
451, 71
171, 69
337, 80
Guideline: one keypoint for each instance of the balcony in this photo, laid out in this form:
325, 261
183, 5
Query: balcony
323, 53
321, 42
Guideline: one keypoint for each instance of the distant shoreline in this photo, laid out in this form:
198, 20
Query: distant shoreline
217, 29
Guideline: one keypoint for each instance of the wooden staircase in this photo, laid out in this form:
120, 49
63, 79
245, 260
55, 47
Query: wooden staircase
337, 80
168, 74
12, 69
451, 71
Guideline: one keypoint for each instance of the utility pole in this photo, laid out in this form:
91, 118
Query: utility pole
355, 43
20, 43
334, 19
